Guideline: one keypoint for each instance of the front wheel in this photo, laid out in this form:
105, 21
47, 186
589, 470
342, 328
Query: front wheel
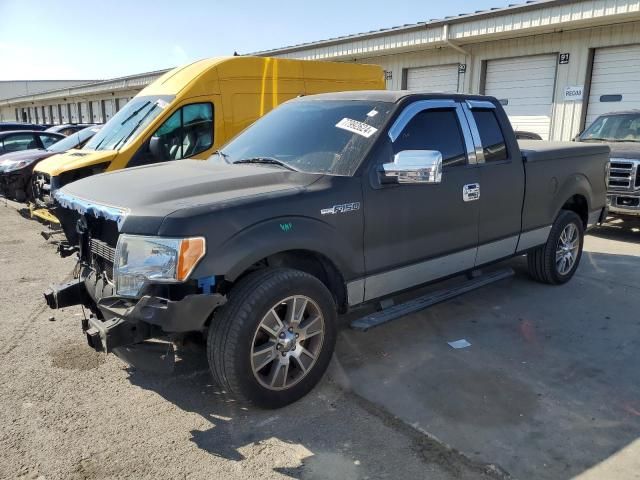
556, 261
273, 340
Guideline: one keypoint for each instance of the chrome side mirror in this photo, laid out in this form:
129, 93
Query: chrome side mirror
414, 166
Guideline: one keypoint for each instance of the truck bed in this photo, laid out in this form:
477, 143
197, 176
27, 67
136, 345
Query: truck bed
537, 151
577, 168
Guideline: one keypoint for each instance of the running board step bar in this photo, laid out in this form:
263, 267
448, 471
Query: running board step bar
392, 313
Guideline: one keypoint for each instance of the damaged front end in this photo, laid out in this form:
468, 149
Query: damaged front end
158, 311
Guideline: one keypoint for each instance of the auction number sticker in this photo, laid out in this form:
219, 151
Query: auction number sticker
355, 126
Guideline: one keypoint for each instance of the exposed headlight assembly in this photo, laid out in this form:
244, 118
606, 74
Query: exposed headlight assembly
13, 166
141, 259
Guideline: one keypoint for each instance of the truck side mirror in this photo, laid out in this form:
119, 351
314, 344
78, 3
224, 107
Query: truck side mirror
413, 166
156, 149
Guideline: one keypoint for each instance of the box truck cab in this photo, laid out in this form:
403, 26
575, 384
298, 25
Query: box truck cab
192, 110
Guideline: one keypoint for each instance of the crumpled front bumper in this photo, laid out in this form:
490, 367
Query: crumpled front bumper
126, 323
15, 184
129, 321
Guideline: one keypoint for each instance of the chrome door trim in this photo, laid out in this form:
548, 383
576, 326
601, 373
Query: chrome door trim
484, 104
475, 134
355, 292
416, 107
398, 279
533, 238
489, 252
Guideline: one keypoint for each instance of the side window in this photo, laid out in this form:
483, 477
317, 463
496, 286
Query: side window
434, 130
19, 141
187, 132
493, 143
169, 138
48, 140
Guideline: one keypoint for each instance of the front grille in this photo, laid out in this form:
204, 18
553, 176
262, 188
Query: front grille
102, 250
41, 184
624, 175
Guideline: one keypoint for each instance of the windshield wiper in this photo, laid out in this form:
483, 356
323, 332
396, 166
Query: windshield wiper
134, 113
224, 156
266, 160
124, 140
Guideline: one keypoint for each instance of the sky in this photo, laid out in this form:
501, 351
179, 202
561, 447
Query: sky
89, 39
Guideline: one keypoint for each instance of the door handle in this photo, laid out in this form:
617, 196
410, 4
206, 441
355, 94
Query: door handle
471, 192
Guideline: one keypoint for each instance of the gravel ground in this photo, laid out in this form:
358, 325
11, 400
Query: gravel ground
70, 413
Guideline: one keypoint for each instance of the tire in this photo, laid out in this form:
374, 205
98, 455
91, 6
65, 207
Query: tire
543, 261
246, 326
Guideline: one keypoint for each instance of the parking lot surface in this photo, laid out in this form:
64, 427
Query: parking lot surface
70, 413
549, 387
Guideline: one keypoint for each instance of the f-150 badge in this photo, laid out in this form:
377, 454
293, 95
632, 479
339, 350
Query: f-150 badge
344, 208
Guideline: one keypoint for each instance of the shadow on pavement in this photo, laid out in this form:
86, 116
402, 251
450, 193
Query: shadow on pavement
548, 389
624, 229
549, 386
331, 432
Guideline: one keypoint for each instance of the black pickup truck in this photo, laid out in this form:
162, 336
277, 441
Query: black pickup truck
328, 202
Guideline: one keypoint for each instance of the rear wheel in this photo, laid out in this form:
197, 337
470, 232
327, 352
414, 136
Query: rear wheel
556, 261
273, 340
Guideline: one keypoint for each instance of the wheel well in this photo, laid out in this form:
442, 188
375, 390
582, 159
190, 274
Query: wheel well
312, 263
579, 205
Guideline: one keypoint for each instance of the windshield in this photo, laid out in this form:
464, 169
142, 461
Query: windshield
614, 128
74, 140
129, 122
314, 136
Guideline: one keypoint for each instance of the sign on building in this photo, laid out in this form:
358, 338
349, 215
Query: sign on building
573, 92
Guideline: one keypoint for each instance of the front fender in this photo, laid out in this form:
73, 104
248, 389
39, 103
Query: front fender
339, 242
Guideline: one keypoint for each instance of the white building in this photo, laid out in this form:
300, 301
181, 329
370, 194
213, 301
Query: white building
554, 64
81, 102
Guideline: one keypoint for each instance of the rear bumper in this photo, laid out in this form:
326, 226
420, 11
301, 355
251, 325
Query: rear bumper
624, 203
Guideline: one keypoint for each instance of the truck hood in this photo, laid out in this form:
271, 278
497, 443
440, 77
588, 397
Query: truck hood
144, 196
74, 159
625, 150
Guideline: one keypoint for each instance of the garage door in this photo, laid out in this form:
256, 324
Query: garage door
524, 85
440, 78
615, 81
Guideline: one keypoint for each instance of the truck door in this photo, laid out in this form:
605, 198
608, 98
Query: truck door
501, 183
415, 233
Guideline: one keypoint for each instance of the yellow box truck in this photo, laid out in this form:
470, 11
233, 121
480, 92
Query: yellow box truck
191, 111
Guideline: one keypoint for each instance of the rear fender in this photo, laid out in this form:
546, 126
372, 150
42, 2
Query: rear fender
576, 184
